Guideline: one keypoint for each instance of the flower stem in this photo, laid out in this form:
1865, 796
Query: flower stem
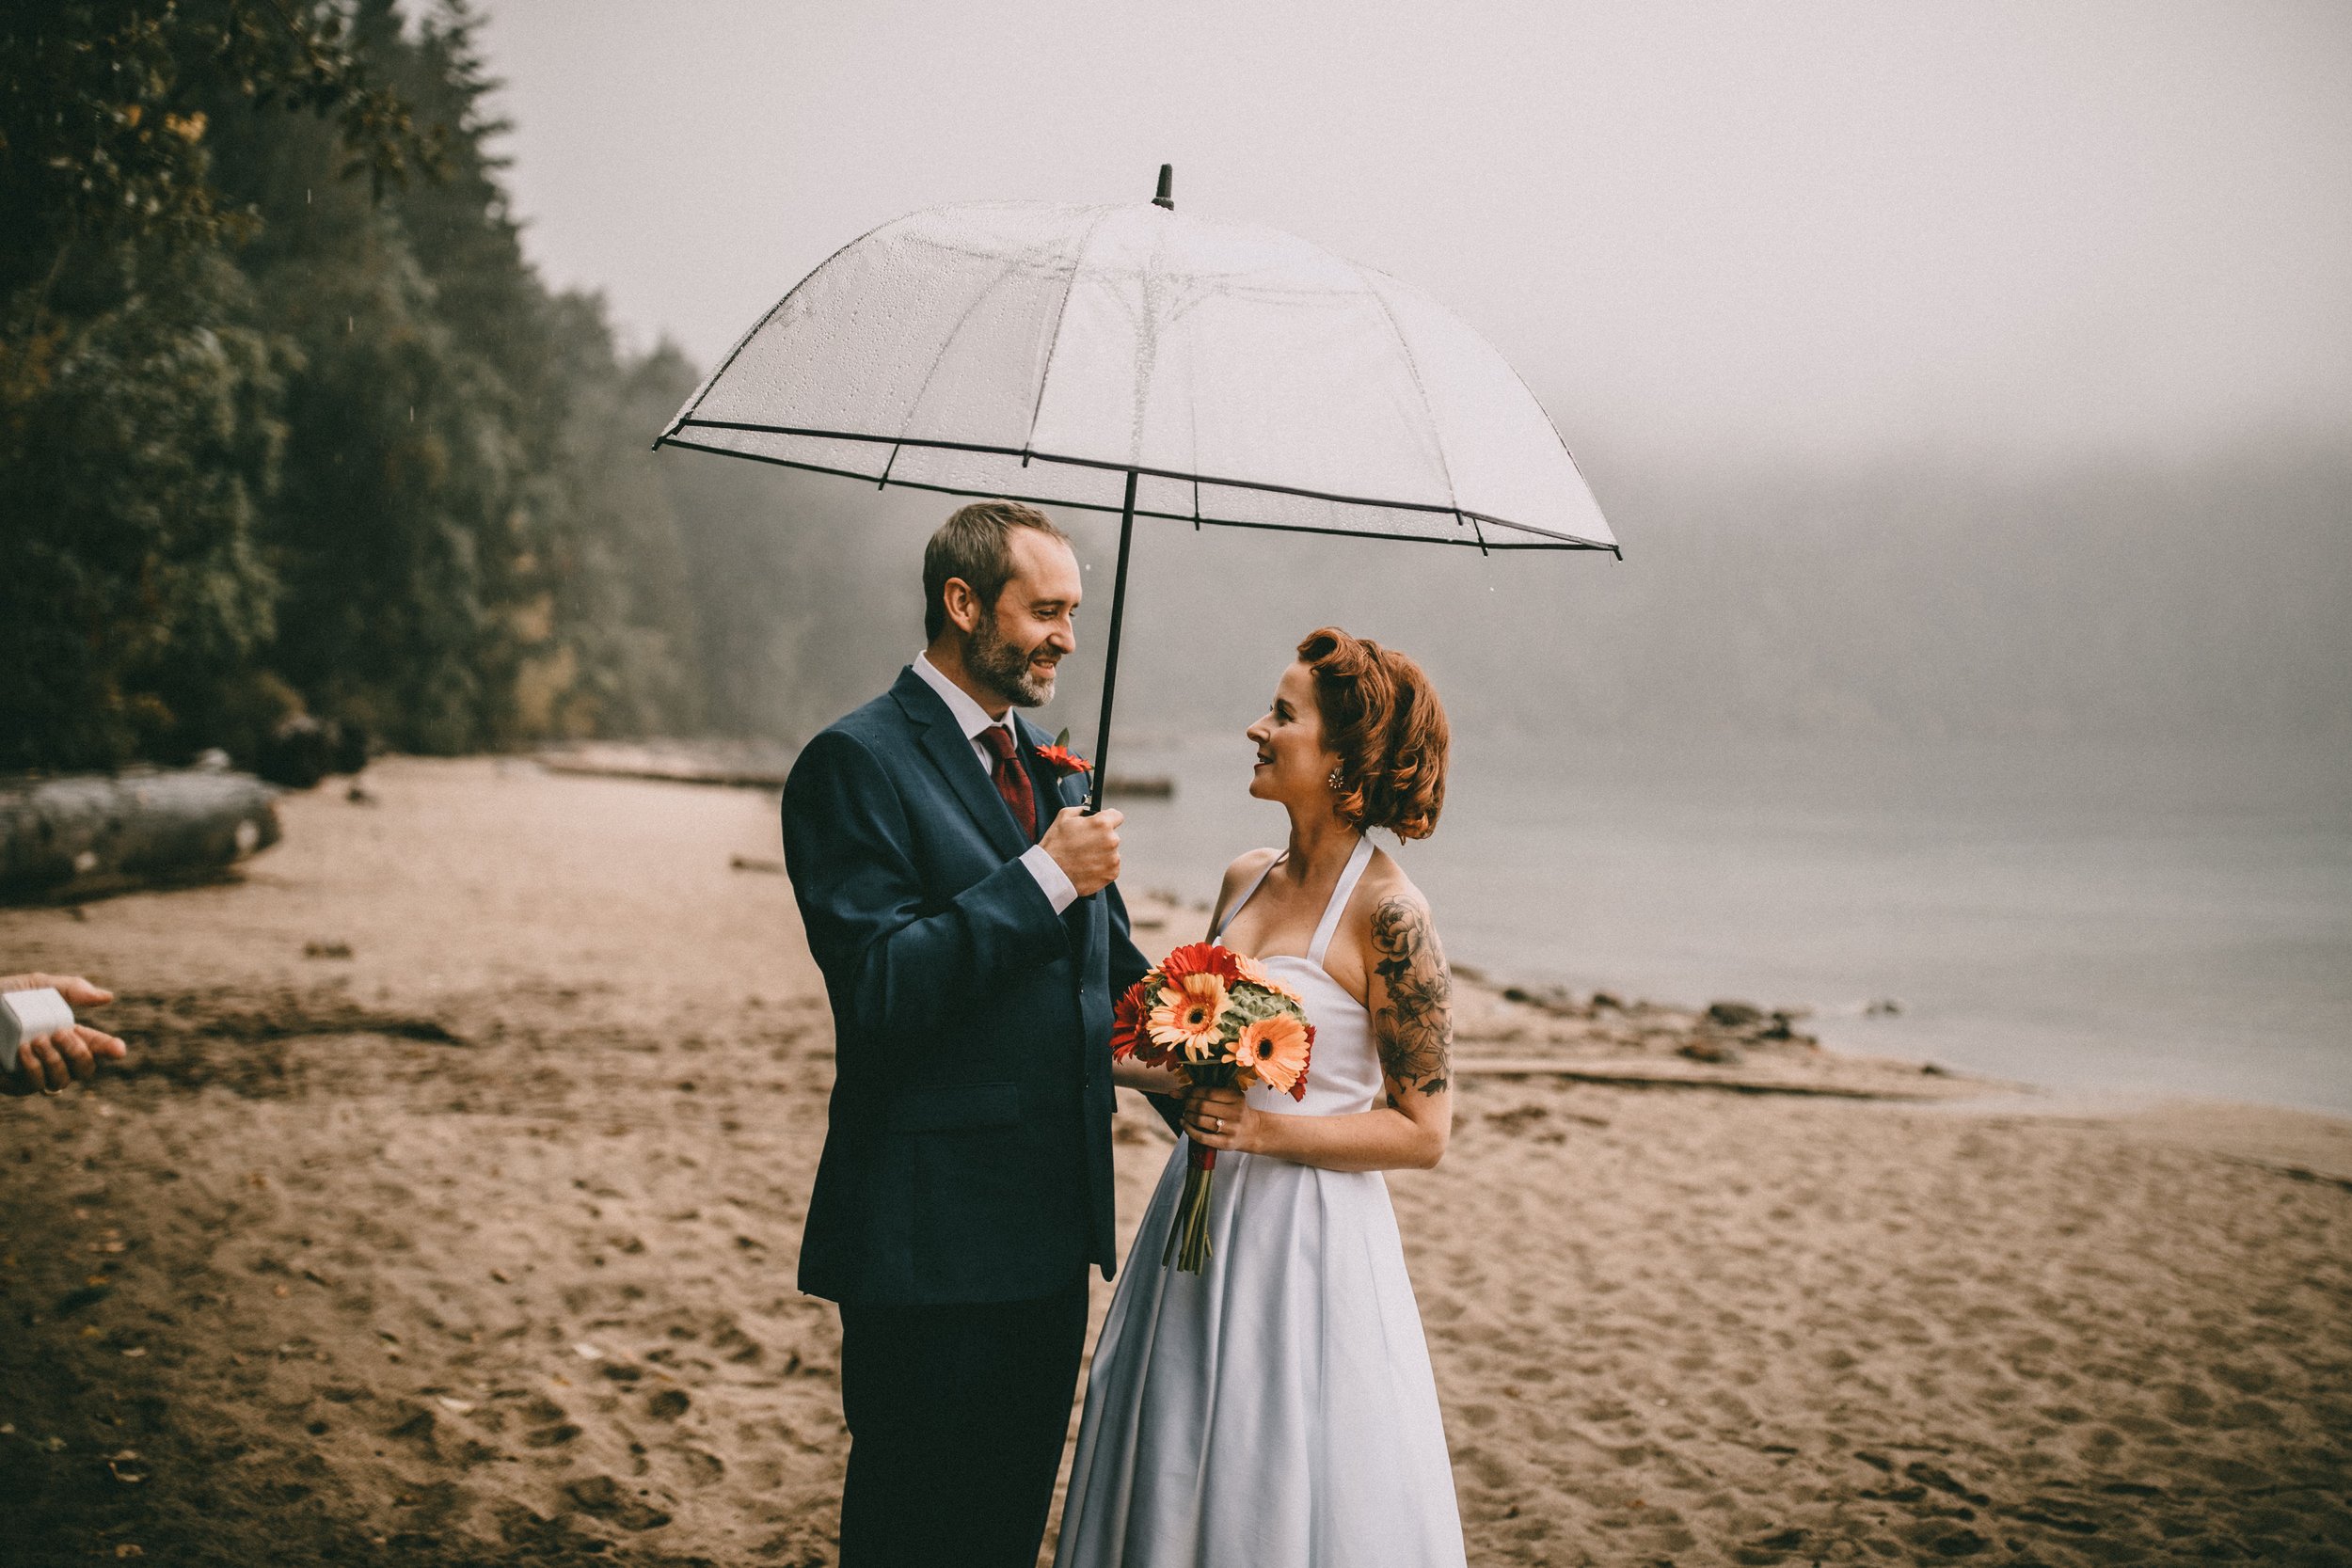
1188, 1238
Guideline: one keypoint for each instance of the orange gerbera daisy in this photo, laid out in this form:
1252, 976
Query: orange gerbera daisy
1274, 1051
1189, 1013
1246, 967
1249, 969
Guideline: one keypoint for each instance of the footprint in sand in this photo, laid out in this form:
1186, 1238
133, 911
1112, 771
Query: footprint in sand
702, 1469
604, 1497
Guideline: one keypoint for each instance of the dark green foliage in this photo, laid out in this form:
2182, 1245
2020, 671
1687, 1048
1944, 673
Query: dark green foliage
136, 592
105, 106
287, 422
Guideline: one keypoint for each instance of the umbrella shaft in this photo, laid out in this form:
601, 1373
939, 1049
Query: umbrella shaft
1111, 657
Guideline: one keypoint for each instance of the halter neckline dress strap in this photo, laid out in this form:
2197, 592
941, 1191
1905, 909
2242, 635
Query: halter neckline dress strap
1328, 926
1338, 906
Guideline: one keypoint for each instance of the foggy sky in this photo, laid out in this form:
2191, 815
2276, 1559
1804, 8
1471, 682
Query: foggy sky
1706, 233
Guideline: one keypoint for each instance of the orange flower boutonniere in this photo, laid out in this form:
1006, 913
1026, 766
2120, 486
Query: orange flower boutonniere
1061, 759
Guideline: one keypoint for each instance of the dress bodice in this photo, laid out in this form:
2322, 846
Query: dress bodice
1344, 1074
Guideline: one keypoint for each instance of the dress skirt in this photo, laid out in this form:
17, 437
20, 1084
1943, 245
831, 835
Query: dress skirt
1277, 1410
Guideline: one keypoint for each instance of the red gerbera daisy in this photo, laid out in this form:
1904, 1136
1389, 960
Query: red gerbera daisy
1062, 760
1129, 1036
1203, 957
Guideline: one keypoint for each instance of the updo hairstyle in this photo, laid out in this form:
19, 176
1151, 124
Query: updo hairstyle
1382, 717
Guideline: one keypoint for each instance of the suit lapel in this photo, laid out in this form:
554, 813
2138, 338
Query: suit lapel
1051, 797
1086, 917
950, 751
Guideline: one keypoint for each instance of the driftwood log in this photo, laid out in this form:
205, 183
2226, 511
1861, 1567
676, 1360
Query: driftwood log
78, 838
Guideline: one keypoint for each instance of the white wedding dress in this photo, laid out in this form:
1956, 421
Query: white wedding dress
1278, 1410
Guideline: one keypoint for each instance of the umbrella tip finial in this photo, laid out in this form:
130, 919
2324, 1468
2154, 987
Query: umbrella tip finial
1166, 199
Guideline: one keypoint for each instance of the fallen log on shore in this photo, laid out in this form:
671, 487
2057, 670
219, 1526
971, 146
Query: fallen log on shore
1141, 787
722, 763
78, 838
1650, 1073
744, 764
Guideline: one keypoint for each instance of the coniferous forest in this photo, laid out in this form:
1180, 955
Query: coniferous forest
289, 429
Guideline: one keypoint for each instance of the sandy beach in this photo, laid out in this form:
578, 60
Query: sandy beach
447, 1212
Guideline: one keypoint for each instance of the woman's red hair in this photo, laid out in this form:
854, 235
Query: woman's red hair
1382, 717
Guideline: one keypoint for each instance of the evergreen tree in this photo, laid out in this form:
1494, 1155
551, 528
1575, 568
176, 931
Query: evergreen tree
287, 421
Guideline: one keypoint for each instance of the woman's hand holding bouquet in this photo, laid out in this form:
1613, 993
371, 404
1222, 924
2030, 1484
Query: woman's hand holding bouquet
1220, 1021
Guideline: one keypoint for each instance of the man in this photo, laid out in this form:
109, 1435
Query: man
961, 903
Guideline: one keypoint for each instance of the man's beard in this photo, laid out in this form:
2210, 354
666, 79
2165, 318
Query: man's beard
1004, 666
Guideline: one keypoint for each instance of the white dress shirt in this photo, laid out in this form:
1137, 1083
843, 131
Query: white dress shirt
1051, 880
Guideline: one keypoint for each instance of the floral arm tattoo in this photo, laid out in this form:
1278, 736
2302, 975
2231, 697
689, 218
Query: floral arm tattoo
1414, 1025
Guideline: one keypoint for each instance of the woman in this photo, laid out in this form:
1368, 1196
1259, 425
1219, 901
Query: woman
1277, 1409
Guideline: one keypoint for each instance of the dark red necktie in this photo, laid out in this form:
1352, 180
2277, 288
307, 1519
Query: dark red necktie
1013, 779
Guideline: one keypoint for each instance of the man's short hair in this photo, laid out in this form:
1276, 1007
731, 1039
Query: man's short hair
974, 543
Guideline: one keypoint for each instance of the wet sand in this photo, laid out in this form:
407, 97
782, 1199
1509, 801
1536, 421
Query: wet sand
447, 1214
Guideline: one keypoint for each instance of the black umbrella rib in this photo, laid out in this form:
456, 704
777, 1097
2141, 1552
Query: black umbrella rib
1548, 542
987, 449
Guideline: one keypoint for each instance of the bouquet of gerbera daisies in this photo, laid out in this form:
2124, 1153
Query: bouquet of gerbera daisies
1221, 1021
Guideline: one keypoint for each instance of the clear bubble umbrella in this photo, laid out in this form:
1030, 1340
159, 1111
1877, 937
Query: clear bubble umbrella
1128, 359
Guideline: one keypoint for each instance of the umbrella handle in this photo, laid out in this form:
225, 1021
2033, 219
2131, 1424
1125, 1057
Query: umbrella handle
1111, 657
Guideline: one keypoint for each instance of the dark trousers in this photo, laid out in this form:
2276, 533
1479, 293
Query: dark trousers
957, 1417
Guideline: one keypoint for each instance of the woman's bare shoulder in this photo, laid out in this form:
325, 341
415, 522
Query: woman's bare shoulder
1238, 875
1246, 864
1385, 902
1385, 883
1243, 868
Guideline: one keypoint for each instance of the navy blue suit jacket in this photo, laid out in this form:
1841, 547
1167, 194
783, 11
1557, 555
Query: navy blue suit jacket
968, 1145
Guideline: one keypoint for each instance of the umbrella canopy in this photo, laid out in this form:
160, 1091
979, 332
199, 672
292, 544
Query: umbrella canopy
1039, 352
1128, 358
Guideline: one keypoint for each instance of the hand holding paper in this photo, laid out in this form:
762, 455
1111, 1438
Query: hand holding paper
41, 1045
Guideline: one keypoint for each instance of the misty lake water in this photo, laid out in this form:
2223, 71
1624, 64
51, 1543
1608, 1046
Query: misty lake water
2087, 920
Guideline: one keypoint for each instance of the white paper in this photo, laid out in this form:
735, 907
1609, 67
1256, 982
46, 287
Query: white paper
27, 1015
